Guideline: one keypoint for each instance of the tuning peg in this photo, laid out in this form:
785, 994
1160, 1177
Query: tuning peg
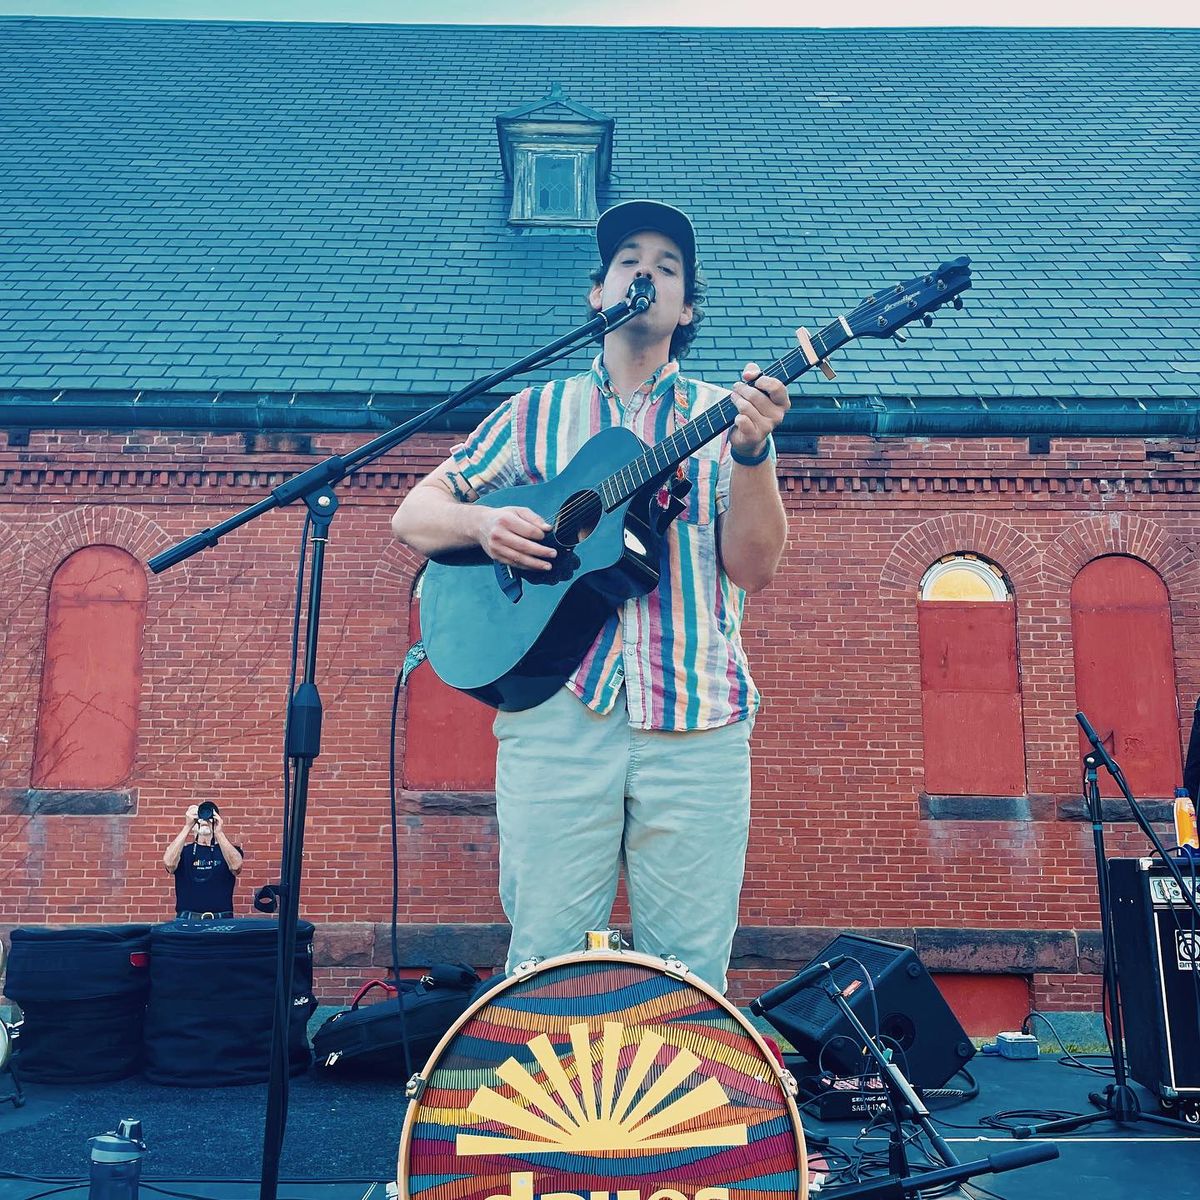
957, 302
927, 320
899, 338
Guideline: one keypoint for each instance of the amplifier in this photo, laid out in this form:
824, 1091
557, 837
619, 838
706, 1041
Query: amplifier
1157, 941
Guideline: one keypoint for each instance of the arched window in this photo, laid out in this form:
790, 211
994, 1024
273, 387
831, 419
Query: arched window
448, 740
970, 681
1125, 671
92, 672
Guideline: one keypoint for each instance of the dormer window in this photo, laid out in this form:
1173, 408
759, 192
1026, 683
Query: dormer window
556, 154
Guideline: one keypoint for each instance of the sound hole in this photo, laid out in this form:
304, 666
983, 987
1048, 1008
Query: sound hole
578, 517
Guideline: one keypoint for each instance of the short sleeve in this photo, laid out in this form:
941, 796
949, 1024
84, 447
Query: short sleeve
724, 473
487, 459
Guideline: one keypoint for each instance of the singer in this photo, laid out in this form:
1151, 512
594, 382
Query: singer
643, 757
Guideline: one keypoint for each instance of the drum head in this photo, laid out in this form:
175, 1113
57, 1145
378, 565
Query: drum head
597, 1074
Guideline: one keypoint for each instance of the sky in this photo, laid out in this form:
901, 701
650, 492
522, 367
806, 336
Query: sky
1154, 13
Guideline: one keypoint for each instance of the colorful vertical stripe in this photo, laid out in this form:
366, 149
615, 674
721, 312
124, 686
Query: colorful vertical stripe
678, 650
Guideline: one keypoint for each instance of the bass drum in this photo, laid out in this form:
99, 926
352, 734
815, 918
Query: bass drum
596, 1075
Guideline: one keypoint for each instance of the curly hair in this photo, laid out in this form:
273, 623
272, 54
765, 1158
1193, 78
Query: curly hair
695, 293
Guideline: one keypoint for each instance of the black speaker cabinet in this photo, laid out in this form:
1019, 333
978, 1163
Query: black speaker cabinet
1157, 941
912, 1014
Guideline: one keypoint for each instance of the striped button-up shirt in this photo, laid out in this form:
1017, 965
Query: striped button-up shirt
678, 650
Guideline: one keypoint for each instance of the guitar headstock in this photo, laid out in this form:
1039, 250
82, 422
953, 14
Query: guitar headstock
882, 314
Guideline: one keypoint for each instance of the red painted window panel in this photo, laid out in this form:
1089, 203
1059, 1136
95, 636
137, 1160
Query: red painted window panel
449, 745
92, 672
971, 699
1125, 671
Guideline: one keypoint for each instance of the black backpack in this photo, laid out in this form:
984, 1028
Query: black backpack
370, 1041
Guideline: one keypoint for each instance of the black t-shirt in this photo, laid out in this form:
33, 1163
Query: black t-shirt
203, 880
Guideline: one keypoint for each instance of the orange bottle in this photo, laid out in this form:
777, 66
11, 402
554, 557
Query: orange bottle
1185, 821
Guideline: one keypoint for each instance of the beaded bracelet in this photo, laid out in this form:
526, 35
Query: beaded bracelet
748, 460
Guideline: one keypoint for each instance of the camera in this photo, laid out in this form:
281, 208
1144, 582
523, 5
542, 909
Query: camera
207, 811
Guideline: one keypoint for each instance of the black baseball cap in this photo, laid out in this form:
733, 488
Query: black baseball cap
618, 222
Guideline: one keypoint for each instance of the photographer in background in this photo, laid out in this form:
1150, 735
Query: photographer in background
205, 868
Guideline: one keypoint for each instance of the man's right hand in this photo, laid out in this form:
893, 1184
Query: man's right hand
515, 536
193, 814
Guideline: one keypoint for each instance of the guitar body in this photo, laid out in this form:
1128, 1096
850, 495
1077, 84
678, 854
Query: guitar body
512, 638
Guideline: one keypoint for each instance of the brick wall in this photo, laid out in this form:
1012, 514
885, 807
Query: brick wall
842, 836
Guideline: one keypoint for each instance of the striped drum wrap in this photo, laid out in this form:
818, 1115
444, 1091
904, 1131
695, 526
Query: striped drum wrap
602, 1074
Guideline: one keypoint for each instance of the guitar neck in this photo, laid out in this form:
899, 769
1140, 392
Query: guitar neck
662, 458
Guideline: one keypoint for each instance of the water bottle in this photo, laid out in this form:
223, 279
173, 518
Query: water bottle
117, 1162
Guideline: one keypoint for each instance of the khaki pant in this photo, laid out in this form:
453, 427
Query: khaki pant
579, 794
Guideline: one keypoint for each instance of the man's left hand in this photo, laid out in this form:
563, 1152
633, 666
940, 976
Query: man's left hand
761, 405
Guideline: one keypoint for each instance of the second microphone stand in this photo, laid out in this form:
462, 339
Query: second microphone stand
1118, 1102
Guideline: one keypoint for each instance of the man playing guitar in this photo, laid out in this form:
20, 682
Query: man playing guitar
642, 757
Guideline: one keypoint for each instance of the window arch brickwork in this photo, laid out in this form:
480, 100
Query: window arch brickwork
947, 534
1121, 533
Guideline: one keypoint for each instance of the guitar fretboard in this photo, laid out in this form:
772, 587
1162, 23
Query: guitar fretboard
662, 458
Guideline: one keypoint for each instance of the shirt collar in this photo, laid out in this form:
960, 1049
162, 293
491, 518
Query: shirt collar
658, 383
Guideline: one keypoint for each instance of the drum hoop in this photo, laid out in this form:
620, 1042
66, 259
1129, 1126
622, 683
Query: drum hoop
782, 1075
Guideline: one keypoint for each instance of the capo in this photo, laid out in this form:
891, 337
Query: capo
814, 360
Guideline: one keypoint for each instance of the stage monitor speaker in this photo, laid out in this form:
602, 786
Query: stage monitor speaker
912, 1014
1157, 942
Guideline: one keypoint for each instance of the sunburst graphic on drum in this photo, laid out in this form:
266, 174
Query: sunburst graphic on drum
601, 1116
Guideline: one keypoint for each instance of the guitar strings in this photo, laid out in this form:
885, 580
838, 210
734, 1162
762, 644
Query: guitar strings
574, 508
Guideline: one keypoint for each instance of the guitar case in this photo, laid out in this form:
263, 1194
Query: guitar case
369, 1040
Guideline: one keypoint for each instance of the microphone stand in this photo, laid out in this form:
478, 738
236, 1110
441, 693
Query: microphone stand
901, 1095
1118, 1102
303, 723
900, 1182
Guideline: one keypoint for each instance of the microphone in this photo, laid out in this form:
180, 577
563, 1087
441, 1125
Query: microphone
1097, 744
640, 295
785, 991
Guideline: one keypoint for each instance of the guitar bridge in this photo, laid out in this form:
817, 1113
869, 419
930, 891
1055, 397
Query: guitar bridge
509, 581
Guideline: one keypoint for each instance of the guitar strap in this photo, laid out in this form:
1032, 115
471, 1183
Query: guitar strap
681, 414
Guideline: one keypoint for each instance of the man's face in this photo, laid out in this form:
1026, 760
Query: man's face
656, 257
204, 833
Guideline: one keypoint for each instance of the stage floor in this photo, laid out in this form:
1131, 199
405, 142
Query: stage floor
342, 1138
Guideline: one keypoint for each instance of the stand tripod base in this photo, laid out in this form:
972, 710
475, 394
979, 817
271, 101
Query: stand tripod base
1118, 1103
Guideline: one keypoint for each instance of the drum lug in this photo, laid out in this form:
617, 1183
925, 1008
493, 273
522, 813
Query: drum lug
415, 1088
789, 1083
675, 968
527, 965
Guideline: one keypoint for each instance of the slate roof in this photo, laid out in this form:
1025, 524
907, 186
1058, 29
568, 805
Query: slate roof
263, 206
